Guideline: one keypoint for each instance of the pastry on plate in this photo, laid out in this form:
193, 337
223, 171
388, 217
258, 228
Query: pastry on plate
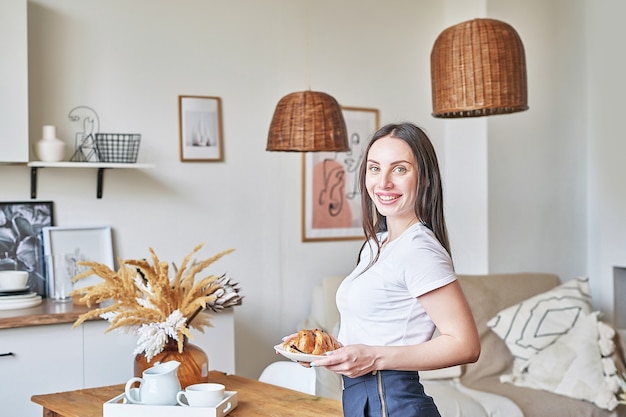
313, 342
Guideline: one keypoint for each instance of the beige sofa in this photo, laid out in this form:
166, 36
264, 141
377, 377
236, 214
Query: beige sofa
462, 391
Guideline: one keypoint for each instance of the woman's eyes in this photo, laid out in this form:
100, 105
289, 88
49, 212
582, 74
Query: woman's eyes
397, 170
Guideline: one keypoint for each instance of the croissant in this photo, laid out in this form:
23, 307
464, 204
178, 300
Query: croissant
314, 342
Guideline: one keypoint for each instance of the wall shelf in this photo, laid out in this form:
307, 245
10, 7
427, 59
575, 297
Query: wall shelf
100, 166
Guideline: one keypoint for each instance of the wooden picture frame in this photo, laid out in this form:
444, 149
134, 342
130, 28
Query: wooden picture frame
200, 129
331, 200
21, 246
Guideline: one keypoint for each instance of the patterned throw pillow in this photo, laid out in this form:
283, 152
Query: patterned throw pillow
534, 324
581, 364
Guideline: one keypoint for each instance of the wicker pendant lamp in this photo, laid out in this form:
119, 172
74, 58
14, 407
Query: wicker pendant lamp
308, 121
478, 68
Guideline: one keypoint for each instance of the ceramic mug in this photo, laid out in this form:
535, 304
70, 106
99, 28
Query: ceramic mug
207, 394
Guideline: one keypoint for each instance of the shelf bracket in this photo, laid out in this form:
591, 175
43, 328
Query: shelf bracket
33, 183
100, 182
35, 165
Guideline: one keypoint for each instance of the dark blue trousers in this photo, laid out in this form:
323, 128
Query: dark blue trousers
387, 394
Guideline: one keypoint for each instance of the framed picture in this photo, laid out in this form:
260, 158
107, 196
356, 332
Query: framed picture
200, 123
331, 201
21, 246
76, 244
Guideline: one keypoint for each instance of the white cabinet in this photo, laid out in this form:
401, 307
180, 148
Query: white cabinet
43, 359
108, 357
13, 81
54, 358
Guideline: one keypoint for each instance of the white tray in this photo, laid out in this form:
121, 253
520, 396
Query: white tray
118, 407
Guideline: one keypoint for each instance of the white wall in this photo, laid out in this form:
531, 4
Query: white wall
537, 165
131, 59
606, 89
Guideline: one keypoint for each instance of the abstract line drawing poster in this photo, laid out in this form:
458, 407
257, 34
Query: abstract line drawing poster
331, 199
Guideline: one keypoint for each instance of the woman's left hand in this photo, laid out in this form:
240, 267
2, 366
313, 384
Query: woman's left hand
352, 361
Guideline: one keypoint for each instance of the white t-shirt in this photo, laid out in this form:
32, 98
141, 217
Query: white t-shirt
380, 306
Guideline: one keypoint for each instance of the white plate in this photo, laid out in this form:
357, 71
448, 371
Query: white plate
15, 304
13, 297
11, 290
296, 357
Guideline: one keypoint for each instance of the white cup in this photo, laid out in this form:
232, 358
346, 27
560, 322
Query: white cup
13, 280
201, 395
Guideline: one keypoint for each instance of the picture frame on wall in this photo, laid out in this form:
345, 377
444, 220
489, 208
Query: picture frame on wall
76, 244
331, 200
200, 129
21, 245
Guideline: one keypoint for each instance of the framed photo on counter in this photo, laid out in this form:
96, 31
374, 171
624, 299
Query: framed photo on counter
75, 244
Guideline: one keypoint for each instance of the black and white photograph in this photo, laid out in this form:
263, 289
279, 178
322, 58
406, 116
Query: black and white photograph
21, 246
200, 120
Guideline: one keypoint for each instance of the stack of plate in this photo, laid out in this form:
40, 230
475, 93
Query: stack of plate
18, 298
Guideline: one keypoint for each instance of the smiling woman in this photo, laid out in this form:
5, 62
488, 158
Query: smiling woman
403, 287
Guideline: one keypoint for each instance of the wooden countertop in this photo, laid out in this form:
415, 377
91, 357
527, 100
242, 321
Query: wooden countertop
48, 312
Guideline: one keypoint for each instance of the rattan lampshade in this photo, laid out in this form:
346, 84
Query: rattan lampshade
478, 68
308, 121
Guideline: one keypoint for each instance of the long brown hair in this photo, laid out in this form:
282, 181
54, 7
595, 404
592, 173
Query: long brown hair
429, 203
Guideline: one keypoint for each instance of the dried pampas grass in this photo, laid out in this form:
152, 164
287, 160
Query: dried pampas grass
142, 297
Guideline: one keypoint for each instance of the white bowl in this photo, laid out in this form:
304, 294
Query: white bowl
13, 280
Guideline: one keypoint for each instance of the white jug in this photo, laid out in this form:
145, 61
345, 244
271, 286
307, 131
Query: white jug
158, 385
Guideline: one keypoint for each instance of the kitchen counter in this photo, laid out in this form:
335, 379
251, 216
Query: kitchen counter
48, 312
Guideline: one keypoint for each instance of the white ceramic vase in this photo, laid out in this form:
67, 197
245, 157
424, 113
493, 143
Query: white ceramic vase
50, 148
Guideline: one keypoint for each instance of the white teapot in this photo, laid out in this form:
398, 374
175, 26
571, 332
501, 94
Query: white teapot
158, 385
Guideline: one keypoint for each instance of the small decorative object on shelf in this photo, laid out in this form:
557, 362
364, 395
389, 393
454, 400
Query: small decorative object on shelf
142, 298
50, 148
118, 147
86, 150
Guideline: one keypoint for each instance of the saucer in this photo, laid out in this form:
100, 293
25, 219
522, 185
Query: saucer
14, 291
18, 296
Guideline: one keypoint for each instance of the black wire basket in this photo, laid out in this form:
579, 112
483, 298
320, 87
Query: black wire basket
117, 147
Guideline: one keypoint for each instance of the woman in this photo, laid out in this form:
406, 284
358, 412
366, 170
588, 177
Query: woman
403, 286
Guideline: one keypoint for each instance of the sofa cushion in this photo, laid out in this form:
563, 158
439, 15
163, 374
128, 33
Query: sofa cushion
574, 365
535, 323
539, 403
487, 295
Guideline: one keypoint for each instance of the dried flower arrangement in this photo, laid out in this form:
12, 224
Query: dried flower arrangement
142, 298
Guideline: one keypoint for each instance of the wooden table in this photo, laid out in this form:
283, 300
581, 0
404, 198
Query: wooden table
254, 399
